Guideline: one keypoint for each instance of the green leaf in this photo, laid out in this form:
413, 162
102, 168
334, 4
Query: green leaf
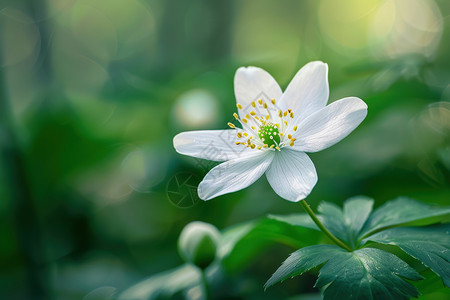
363, 274
356, 212
367, 274
402, 211
334, 220
344, 224
241, 244
163, 284
303, 260
302, 220
232, 235
430, 245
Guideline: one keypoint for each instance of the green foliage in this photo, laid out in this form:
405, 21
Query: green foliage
301, 220
239, 246
367, 272
303, 260
430, 245
242, 243
164, 284
402, 211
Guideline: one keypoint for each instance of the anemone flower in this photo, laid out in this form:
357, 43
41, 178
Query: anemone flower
276, 129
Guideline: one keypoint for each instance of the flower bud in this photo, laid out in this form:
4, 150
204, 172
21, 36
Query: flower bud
197, 243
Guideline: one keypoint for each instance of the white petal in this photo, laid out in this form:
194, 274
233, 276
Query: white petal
217, 145
251, 84
292, 175
235, 174
308, 91
329, 125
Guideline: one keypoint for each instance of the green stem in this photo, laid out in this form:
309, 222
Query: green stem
322, 227
205, 284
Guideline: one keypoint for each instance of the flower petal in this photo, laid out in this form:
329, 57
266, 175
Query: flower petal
235, 174
251, 84
329, 125
308, 91
217, 145
292, 175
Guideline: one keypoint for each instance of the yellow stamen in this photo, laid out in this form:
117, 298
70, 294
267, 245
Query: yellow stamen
259, 147
253, 104
245, 133
272, 146
294, 139
278, 148
252, 146
259, 101
267, 117
244, 120
289, 136
280, 113
272, 100
285, 113
239, 135
292, 144
231, 125
252, 113
247, 116
239, 106
236, 116
295, 128
265, 105
291, 114
238, 143
281, 133
265, 146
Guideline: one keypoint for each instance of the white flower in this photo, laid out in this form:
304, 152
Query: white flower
277, 129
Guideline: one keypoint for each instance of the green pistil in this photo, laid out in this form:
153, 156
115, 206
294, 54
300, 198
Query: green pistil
269, 134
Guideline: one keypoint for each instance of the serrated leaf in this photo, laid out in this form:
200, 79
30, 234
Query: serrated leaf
303, 260
430, 245
333, 220
367, 274
346, 223
402, 211
356, 211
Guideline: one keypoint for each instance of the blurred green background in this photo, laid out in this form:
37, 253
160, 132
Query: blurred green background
93, 91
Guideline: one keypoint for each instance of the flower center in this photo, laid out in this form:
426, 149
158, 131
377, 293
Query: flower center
269, 134
264, 126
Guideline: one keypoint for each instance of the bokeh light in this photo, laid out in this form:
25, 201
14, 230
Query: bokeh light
402, 27
196, 109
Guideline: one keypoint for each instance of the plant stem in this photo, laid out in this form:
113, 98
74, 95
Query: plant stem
205, 285
322, 227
